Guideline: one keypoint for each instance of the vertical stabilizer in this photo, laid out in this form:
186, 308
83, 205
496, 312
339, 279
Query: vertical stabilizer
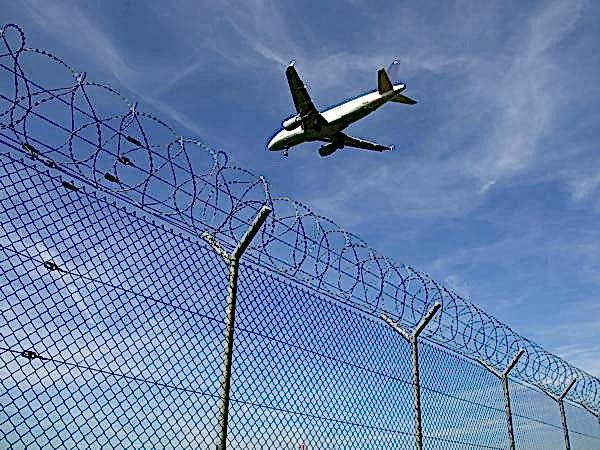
383, 82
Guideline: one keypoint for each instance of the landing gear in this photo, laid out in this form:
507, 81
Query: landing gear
285, 153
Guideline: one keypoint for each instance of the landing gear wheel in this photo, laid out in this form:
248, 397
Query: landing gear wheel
285, 153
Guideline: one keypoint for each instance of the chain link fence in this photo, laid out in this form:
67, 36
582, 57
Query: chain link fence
155, 296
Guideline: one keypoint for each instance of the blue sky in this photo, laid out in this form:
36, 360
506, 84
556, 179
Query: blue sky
493, 187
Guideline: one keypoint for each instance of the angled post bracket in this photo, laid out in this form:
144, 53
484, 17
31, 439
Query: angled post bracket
233, 262
561, 406
412, 338
503, 376
563, 415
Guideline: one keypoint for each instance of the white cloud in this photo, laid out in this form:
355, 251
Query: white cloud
458, 285
582, 186
582, 355
73, 26
525, 97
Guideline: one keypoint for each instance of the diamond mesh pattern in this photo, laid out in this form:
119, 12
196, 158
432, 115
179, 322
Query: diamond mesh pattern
536, 418
462, 402
119, 314
583, 427
320, 372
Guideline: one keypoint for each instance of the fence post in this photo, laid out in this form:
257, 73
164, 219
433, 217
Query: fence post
412, 338
232, 261
563, 416
505, 388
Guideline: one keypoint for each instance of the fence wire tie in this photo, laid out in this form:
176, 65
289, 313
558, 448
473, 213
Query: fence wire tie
125, 160
30, 355
110, 177
31, 150
70, 185
51, 266
50, 163
134, 141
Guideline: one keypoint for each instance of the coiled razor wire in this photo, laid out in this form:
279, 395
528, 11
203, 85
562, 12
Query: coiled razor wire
89, 131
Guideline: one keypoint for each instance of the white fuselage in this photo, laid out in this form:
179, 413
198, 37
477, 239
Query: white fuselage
338, 118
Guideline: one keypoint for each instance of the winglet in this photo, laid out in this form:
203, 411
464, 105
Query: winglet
383, 82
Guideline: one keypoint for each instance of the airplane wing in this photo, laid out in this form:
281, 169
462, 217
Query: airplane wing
350, 141
311, 118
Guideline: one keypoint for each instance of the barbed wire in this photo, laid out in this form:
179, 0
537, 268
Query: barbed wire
53, 113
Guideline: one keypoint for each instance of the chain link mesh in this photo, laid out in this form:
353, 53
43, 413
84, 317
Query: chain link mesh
536, 418
120, 318
583, 427
114, 306
462, 402
319, 372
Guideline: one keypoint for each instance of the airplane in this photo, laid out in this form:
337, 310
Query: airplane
311, 125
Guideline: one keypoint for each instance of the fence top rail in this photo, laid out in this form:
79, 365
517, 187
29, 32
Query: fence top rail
54, 113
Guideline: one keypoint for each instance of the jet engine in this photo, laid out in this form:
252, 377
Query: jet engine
292, 123
328, 149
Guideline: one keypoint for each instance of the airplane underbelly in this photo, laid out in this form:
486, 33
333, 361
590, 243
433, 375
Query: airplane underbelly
352, 116
298, 138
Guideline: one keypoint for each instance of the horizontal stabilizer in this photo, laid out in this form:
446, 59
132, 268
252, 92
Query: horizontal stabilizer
404, 99
383, 82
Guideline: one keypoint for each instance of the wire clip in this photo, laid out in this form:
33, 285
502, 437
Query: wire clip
30, 355
134, 141
51, 265
110, 177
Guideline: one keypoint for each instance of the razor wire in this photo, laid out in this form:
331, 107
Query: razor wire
92, 134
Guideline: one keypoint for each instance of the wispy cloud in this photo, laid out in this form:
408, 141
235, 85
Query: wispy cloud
586, 356
458, 285
73, 26
488, 126
525, 98
583, 185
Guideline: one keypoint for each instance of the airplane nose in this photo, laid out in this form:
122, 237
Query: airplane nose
272, 144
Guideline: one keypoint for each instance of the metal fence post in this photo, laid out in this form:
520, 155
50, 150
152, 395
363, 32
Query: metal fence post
563, 416
505, 388
232, 261
412, 338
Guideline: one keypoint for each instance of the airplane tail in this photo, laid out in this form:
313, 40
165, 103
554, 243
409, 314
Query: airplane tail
384, 83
